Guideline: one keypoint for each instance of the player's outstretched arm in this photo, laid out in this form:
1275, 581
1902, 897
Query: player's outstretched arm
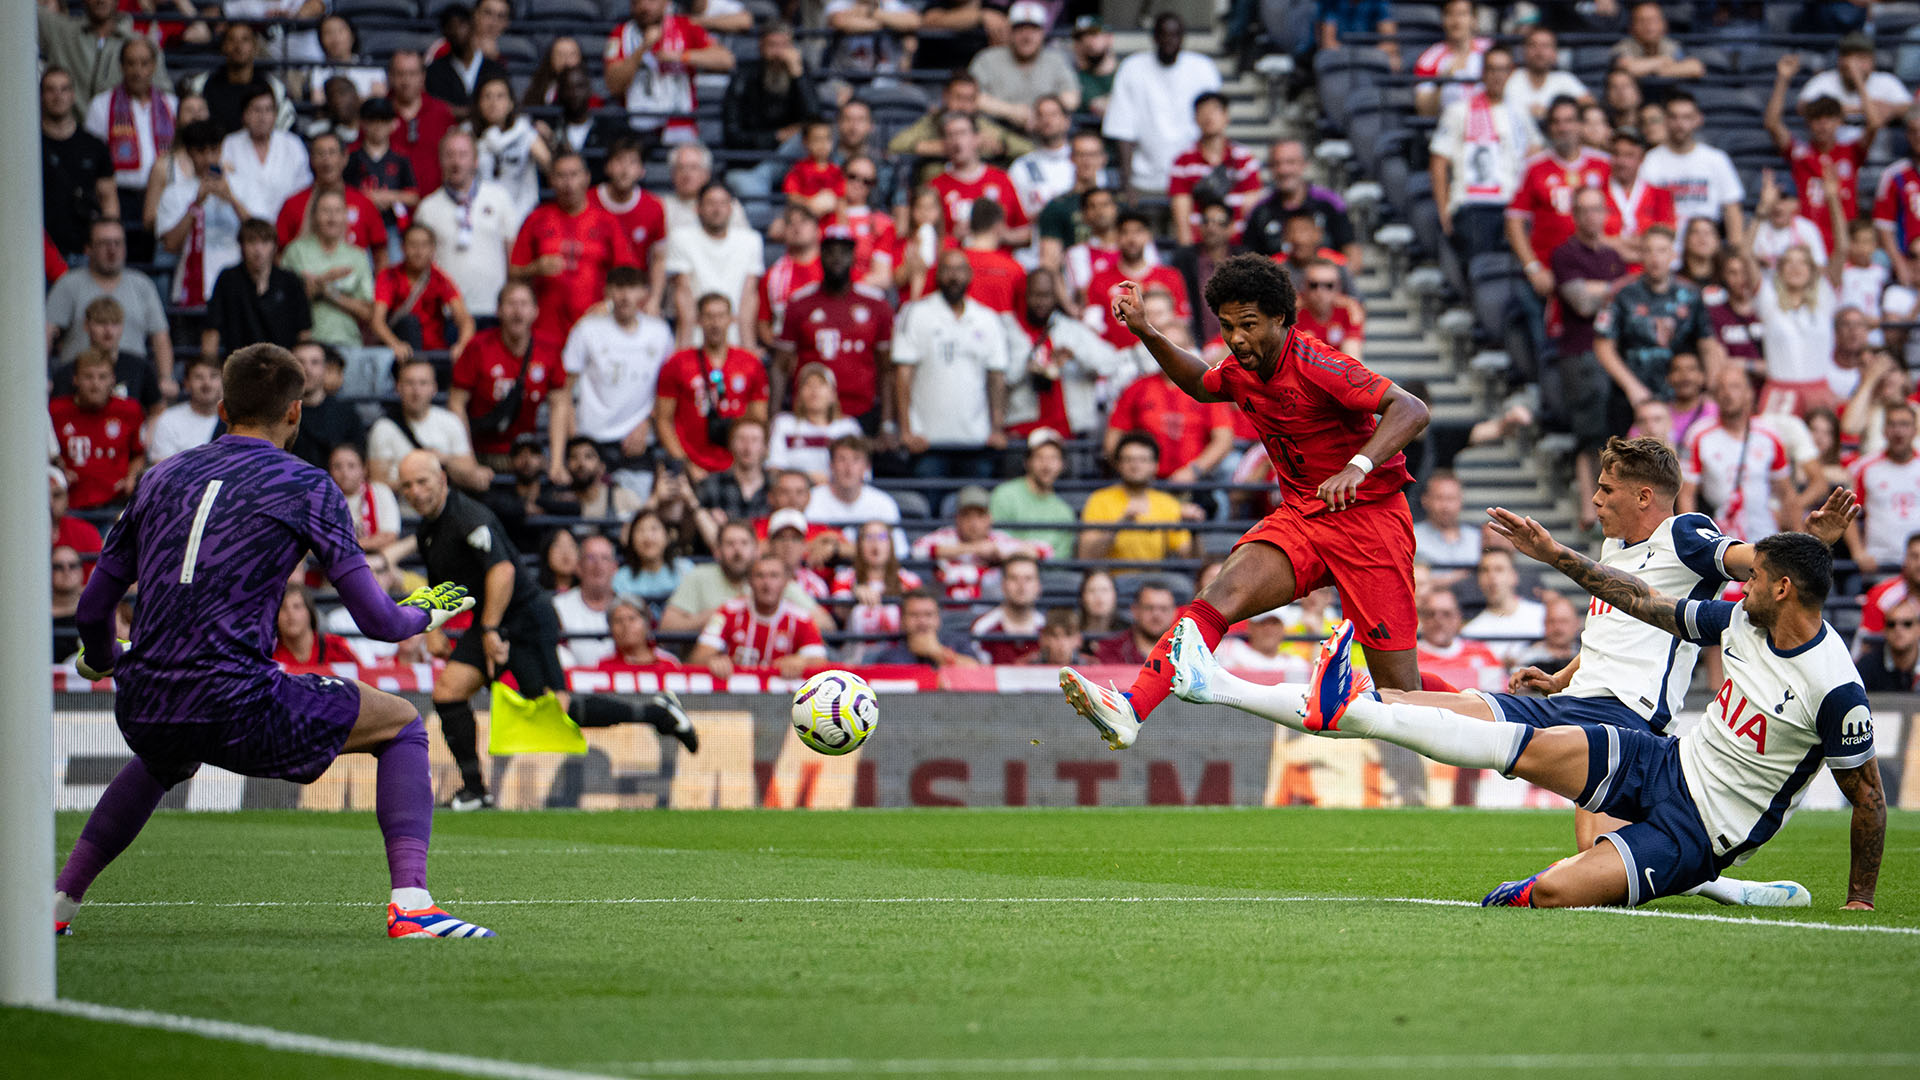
1861, 786
93, 617
1610, 586
1828, 523
1185, 368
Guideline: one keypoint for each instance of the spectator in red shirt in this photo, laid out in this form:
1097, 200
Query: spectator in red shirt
99, 435
501, 363
68, 531
1133, 265
1329, 314
413, 302
1154, 606
634, 652
1443, 652
999, 281
422, 121
872, 229
565, 249
1828, 142
815, 182
327, 156
1634, 205
967, 178
1891, 593
650, 61
846, 327
1016, 615
760, 629
301, 643
704, 390
1194, 438
641, 214
791, 272
1215, 166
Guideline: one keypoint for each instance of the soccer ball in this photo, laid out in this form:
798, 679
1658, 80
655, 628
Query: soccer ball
835, 711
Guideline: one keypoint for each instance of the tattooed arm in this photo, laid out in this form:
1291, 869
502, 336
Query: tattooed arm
1862, 788
1610, 586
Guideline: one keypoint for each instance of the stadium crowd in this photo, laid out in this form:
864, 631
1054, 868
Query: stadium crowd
777, 332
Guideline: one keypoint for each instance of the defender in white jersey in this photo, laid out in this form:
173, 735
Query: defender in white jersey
1696, 805
1629, 674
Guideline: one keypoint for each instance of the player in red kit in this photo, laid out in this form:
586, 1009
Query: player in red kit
565, 249
1334, 431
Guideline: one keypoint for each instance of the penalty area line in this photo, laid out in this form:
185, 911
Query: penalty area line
470, 1065
1685, 916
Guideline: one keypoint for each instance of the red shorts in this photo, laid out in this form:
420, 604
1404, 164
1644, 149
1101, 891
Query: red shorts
1366, 552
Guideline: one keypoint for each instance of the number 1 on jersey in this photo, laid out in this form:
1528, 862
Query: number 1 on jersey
200, 517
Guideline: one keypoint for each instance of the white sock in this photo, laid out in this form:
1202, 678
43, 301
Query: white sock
412, 899
64, 907
1723, 890
1282, 703
1446, 737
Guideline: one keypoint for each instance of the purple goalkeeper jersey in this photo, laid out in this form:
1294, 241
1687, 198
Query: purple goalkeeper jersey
210, 539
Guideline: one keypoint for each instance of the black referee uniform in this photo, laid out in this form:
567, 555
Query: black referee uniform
460, 546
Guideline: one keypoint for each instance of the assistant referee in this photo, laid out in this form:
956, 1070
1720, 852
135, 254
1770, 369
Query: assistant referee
514, 627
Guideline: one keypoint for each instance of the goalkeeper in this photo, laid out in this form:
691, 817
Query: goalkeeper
514, 628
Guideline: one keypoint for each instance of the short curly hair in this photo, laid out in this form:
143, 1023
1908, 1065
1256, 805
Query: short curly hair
1256, 280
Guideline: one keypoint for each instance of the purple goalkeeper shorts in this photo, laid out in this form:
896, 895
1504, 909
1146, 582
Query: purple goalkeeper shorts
291, 732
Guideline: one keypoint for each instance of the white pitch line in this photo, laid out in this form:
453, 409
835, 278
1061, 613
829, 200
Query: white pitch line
470, 1065
1730, 920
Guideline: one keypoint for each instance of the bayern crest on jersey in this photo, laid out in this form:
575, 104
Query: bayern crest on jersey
817, 316
113, 429
859, 315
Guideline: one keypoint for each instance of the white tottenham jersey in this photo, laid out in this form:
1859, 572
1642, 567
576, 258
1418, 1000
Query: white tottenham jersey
1645, 667
1777, 717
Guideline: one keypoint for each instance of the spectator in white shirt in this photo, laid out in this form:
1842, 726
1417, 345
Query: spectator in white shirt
583, 608
1782, 229
691, 169
209, 239
719, 256
1440, 538
428, 427
846, 501
474, 224
1476, 158
800, 438
1702, 178
1263, 648
950, 363
1046, 171
193, 421
613, 362
372, 505
1887, 483
1150, 112
1510, 622
1853, 78
263, 164
1540, 79
123, 116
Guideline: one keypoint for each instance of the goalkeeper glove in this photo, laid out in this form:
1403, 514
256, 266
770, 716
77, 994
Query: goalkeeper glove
442, 602
92, 674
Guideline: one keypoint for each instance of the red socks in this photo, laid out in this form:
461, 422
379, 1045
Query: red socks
1155, 680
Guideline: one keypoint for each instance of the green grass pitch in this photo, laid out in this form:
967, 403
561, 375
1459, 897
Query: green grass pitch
1230, 964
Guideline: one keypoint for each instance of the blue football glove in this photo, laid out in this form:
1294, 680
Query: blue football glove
442, 602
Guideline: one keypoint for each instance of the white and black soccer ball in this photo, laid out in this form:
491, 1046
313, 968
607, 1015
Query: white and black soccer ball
835, 711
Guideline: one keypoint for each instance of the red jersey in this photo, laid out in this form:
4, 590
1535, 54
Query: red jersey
1545, 195
591, 242
1192, 166
1881, 599
784, 278
97, 446
79, 535
327, 649
844, 332
806, 179
700, 388
662, 92
873, 234
1847, 155
487, 371
1345, 324
957, 197
418, 140
1466, 664
1181, 425
643, 218
752, 640
999, 281
662, 664
53, 264
1636, 209
1315, 412
434, 307
1106, 285
365, 227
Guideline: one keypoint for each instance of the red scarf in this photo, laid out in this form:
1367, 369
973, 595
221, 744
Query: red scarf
123, 138
190, 283
1483, 133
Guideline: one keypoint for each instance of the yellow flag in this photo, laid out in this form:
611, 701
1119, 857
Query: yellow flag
540, 726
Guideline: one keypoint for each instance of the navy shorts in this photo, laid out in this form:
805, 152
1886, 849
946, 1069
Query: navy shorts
1561, 710
293, 732
1636, 776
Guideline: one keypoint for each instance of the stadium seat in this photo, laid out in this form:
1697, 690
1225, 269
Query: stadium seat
1495, 274
586, 11
912, 503
392, 9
